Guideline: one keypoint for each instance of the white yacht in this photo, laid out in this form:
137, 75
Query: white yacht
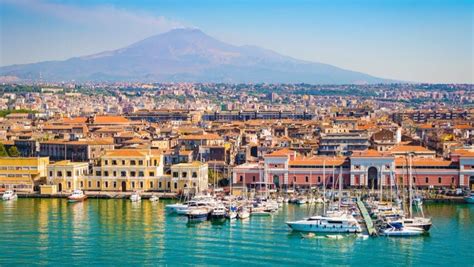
154, 198
135, 197
400, 230
9, 195
333, 224
416, 222
218, 212
243, 214
197, 214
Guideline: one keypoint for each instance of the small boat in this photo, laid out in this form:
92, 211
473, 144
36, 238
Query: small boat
231, 213
470, 198
416, 222
197, 214
135, 197
401, 230
173, 208
154, 198
9, 195
243, 214
77, 196
218, 213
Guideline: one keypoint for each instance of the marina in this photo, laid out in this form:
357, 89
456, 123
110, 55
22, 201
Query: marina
47, 231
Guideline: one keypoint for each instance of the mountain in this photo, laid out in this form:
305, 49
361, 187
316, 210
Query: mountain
187, 55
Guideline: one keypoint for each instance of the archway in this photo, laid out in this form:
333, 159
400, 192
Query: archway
60, 187
373, 179
124, 186
276, 181
471, 183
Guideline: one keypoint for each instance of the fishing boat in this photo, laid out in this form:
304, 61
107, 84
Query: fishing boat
135, 197
77, 196
9, 195
324, 224
218, 213
469, 198
154, 198
197, 214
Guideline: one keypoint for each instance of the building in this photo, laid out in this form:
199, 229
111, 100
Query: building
189, 178
343, 143
23, 174
285, 169
128, 170
67, 176
77, 151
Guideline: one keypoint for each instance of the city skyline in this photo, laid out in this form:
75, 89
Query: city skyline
400, 40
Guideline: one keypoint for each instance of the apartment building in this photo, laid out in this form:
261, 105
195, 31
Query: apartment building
22, 174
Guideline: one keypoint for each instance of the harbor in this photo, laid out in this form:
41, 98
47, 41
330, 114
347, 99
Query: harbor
47, 231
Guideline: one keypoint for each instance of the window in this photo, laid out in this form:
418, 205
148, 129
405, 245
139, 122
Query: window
319, 179
98, 184
452, 180
195, 175
68, 173
114, 162
175, 185
159, 184
51, 173
97, 173
439, 180
140, 162
133, 184
123, 173
106, 162
60, 174
106, 173
141, 184
132, 173
141, 174
132, 162
115, 184
81, 184
151, 184
307, 179
184, 174
68, 184
152, 173
241, 178
169, 184
89, 184
175, 174
253, 178
106, 184
294, 178
276, 166
123, 162
427, 180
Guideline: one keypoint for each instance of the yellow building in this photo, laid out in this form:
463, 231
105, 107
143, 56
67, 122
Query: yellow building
127, 170
189, 177
23, 174
67, 176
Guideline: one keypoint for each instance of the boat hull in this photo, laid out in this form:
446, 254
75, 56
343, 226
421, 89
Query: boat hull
313, 228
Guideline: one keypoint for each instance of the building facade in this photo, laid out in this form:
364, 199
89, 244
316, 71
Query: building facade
22, 174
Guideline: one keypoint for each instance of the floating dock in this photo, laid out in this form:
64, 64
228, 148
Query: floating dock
368, 220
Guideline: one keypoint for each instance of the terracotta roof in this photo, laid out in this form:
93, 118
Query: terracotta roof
423, 162
406, 148
125, 153
280, 153
200, 136
328, 161
110, 120
463, 152
74, 120
371, 153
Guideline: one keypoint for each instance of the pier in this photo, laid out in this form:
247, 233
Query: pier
367, 219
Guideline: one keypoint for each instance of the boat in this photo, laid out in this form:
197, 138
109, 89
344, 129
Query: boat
301, 201
231, 213
9, 195
324, 224
135, 197
173, 208
77, 196
154, 198
469, 198
416, 222
398, 229
197, 214
243, 214
218, 213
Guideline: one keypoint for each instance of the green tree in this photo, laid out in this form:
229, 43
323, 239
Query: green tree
3, 151
13, 152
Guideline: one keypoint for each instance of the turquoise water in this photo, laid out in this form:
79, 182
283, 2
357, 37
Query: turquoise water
118, 232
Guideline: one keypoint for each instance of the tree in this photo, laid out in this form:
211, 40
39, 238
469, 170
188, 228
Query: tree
3, 151
13, 152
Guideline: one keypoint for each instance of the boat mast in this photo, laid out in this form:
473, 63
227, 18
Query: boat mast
324, 186
340, 186
410, 183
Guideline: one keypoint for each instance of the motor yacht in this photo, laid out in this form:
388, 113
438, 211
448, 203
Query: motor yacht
9, 195
326, 224
77, 196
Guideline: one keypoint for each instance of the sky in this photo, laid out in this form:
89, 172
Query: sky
408, 40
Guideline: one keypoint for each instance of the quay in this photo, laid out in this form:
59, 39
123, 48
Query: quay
367, 219
101, 195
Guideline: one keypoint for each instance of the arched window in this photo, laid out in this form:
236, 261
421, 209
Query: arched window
307, 179
427, 180
439, 180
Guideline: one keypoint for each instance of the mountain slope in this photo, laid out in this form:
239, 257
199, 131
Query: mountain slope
183, 55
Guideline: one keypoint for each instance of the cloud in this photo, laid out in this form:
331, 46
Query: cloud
107, 16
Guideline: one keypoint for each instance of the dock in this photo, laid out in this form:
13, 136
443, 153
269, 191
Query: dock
367, 219
100, 195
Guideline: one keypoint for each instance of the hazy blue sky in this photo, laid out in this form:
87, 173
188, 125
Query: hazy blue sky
427, 41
